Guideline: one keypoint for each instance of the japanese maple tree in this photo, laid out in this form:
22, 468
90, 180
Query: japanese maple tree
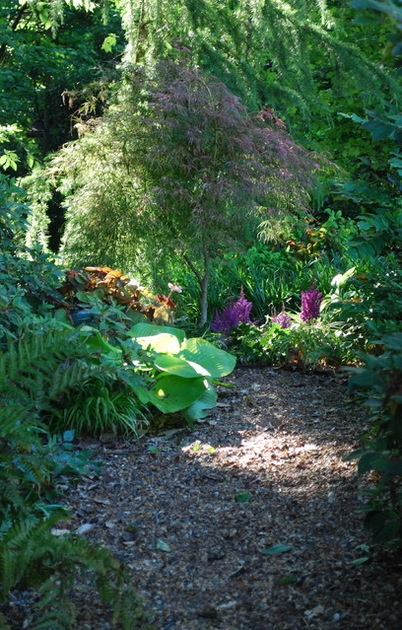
181, 159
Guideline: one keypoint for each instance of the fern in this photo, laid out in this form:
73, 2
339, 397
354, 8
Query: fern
41, 361
10, 419
59, 566
56, 375
23, 472
30, 555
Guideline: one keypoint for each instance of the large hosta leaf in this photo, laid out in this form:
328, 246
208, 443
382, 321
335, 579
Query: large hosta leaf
215, 361
199, 408
172, 393
178, 366
163, 342
144, 329
186, 368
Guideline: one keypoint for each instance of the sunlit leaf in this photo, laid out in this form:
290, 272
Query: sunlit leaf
109, 43
217, 362
176, 365
199, 408
172, 393
164, 343
144, 329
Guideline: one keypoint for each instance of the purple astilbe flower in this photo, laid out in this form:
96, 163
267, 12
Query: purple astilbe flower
232, 315
310, 304
283, 319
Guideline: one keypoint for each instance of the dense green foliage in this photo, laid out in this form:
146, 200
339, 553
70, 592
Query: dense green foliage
31, 553
153, 136
300, 56
379, 382
101, 376
36, 367
54, 58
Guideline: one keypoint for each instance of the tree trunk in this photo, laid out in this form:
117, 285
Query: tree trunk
204, 281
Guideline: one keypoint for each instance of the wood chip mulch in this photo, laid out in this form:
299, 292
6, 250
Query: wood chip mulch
197, 515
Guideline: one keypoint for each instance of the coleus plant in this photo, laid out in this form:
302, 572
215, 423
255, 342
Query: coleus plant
107, 285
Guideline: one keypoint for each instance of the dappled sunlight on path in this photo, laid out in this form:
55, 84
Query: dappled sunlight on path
249, 521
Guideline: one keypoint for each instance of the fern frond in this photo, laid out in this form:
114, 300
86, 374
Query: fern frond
69, 374
37, 370
11, 417
23, 471
31, 555
59, 612
15, 551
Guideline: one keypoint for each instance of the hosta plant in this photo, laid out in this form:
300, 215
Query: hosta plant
121, 382
181, 372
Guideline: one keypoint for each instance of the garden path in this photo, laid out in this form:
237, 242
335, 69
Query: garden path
197, 515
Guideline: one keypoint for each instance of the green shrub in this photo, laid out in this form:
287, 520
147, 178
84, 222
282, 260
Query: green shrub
310, 339
98, 407
360, 306
95, 377
379, 382
368, 300
302, 346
